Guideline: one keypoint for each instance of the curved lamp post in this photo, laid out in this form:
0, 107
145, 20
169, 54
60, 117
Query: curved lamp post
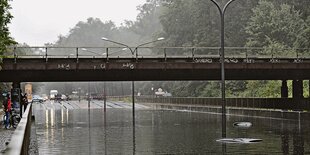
222, 15
115, 42
87, 50
132, 52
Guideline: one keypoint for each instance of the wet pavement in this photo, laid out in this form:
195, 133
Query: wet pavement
70, 128
5, 134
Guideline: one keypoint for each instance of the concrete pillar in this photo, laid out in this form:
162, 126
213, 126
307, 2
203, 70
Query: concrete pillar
16, 96
297, 89
284, 89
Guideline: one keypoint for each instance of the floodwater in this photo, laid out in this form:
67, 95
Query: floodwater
82, 131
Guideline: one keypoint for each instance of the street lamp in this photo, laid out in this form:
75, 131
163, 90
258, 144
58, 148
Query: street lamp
87, 50
136, 49
132, 52
108, 40
222, 15
121, 50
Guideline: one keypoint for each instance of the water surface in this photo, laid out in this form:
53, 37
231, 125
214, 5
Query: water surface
83, 131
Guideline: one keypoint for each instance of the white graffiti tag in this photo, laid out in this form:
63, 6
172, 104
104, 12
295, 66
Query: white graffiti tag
128, 65
63, 66
101, 66
202, 60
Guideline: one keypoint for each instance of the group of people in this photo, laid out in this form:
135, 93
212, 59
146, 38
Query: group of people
7, 107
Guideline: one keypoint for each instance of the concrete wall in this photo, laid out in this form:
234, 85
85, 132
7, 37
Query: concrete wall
262, 103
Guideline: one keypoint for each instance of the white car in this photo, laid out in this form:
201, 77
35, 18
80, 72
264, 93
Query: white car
63, 97
37, 98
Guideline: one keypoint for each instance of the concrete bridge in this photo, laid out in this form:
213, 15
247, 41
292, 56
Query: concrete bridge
173, 63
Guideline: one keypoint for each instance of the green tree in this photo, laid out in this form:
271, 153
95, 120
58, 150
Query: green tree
274, 24
303, 39
5, 19
276, 27
88, 33
147, 24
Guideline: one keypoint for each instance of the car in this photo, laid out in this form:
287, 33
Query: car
53, 94
37, 98
60, 97
45, 97
63, 97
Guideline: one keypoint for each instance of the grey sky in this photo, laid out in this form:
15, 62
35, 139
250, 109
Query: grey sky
37, 22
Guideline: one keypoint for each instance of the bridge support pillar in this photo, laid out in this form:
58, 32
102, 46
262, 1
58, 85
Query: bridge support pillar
16, 96
284, 89
297, 89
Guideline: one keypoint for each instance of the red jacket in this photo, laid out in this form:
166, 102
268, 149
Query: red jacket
9, 105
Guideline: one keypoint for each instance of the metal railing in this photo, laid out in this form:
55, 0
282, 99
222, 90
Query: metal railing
196, 54
20, 140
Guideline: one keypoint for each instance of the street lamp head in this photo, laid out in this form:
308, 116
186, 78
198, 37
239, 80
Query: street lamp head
161, 38
104, 38
84, 49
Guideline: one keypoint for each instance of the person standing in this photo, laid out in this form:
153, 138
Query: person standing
7, 108
25, 101
21, 104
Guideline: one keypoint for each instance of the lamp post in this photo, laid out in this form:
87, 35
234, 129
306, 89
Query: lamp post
79, 89
87, 50
115, 42
132, 52
88, 96
104, 96
222, 15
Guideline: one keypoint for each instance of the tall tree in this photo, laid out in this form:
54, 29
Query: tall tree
5, 19
147, 23
272, 24
88, 33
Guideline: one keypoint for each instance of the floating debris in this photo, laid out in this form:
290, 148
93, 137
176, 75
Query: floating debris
239, 140
242, 124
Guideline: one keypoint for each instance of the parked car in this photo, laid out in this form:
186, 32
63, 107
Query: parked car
37, 98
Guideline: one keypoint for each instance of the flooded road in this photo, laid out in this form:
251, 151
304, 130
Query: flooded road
70, 128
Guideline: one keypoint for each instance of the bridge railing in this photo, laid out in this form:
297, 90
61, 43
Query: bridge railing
231, 53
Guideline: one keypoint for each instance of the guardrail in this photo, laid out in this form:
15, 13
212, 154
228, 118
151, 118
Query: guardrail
196, 54
20, 140
264, 103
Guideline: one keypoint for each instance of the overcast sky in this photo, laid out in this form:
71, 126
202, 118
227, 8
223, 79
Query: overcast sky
37, 22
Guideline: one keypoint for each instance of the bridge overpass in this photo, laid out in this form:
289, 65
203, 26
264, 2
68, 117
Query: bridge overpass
170, 63
147, 69
185, 63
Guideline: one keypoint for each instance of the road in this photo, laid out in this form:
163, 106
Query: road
83, 104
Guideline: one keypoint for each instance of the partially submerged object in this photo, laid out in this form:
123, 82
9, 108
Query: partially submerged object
242, 124
239, 140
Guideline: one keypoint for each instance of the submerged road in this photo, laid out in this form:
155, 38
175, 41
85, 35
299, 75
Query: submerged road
70, 128
94, 104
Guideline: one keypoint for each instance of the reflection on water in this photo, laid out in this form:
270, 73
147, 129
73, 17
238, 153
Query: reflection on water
162, 132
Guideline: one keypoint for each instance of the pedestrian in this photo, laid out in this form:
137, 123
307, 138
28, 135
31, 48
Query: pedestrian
7, 108
21, 105
25, 101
